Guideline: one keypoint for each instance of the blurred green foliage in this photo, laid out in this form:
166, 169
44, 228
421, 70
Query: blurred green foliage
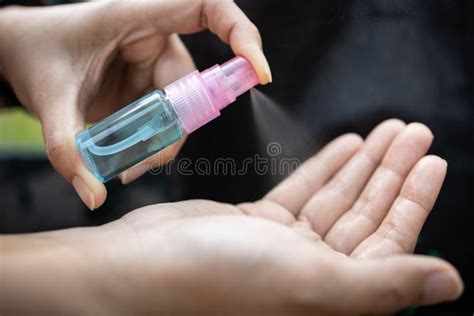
20, 133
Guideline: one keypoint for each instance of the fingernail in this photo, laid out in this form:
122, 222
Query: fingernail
133, 173
124, 178
441, 286
266, 66
84, 192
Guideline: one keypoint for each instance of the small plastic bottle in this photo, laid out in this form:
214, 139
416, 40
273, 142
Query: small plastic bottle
158, 119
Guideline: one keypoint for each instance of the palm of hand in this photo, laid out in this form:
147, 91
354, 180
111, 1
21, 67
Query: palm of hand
140, 61
353, 200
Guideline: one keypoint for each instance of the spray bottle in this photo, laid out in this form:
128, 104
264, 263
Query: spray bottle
159, 119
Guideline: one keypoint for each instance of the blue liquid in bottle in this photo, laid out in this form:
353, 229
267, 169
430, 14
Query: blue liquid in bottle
129, 136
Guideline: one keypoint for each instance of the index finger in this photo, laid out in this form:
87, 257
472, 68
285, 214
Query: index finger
293, 192
223, 18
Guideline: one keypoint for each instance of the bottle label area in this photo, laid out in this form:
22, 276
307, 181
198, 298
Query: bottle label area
129, 136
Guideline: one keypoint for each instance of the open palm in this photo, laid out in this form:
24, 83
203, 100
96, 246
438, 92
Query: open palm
300, 248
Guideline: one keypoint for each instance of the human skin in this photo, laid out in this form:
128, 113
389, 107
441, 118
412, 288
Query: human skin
335, 237
73, 64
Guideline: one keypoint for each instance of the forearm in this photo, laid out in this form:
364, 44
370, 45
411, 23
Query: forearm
8, 20
2, 48
48, 273
2, 44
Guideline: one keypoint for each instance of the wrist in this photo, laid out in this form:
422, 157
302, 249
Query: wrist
8, 17
3, 31
52, 272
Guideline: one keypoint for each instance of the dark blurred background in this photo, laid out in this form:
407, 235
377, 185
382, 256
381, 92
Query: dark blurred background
338, 66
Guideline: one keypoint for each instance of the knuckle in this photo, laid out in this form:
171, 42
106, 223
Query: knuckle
53, 148
392, 296
255, 33
59, 151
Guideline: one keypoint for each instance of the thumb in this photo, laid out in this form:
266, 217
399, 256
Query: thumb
61, 120
390, 284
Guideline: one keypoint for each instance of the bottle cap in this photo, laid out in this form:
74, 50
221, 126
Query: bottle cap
198, 97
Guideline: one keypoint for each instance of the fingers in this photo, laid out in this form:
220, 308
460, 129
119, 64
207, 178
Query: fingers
388, 285
61, 120
384, 186
399, 230
232, 26
328, 204
293, 192
174, 62
224, 18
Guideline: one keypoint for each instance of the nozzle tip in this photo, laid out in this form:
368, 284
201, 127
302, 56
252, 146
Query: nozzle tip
240, 75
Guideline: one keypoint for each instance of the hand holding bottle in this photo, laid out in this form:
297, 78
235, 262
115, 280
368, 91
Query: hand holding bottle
76, 63
156, 121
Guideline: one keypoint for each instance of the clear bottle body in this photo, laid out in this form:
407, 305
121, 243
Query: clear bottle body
129, 136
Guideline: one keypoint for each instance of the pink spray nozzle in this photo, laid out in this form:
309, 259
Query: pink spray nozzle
226, 82
198, 97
